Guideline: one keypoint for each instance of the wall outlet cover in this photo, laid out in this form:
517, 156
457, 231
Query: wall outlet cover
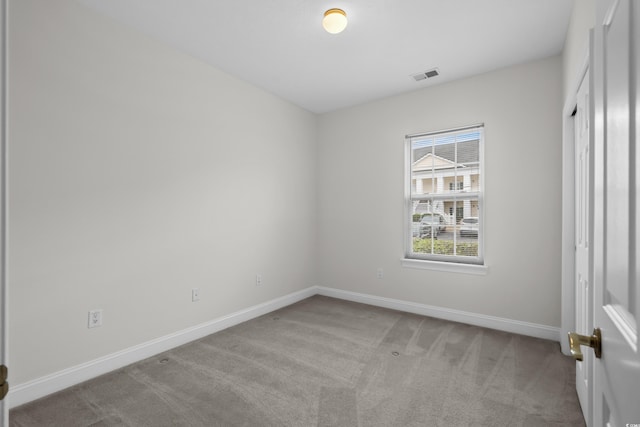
95, 318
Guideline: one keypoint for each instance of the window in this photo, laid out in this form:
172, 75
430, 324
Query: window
452, 186
444, 196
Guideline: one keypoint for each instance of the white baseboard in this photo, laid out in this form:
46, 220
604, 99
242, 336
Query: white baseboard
40, 387
498, 323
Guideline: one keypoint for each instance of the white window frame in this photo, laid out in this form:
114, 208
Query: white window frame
455, 263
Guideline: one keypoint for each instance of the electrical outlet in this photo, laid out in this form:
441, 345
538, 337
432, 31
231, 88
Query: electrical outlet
258, 279
195, 294
380, 273
95, 318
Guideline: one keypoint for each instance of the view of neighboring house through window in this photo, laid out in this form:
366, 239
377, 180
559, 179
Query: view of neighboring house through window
444, 195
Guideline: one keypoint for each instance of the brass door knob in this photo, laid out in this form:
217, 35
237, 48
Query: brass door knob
594, 341
4, 385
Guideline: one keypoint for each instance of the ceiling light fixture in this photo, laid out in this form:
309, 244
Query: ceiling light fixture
334, 21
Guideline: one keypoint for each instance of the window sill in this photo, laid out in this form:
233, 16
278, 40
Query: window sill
451, 267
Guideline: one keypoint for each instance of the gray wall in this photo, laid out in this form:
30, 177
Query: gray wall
361, 167
136, 174
583, 18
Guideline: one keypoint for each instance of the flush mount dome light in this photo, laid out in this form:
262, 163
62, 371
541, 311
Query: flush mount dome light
334, 21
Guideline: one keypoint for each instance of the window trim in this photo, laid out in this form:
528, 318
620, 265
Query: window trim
457, 263
448, 266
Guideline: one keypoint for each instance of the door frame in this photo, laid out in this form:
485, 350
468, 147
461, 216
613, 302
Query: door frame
4, 317
568, 309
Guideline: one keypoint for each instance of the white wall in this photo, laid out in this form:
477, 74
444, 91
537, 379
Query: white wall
136, 174
360, 215
583, 18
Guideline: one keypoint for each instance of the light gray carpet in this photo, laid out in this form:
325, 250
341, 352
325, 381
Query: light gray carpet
327, 362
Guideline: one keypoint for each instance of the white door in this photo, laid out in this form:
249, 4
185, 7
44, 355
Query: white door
616, 249
584, 311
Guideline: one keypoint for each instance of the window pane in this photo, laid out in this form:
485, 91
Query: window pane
445, 192
446, 234
467, 230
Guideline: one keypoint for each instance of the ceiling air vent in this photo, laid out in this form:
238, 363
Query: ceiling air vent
426, 75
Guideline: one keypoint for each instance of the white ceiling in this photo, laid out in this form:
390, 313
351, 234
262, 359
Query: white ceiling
280, 45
